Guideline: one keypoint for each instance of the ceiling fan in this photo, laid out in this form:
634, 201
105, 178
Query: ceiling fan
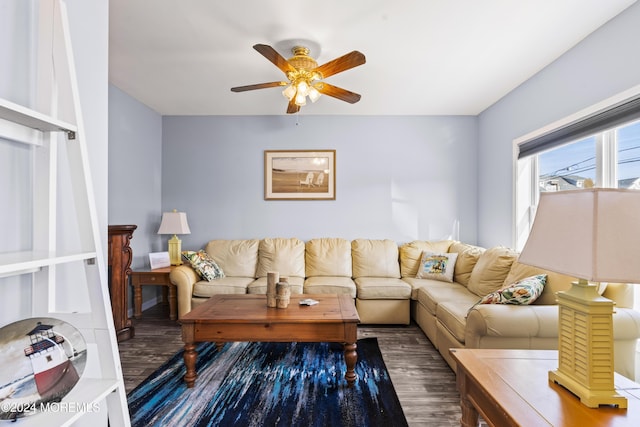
305, 76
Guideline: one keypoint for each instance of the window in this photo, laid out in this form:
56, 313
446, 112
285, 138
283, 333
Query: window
597, 147
628, 153
608, 159
568, 167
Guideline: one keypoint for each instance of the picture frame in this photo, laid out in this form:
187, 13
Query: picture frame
159, 260
300, 174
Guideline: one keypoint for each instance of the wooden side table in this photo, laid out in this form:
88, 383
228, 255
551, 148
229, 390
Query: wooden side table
157, 277
512, 388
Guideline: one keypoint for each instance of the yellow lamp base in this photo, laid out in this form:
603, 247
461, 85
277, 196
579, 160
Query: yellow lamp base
585, 346
590, 398
175, 250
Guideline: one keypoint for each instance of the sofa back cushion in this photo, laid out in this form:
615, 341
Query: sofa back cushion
328, 257
491, 270
284, 255
468, 256
411, 254
375, 258
555, 281
237, 258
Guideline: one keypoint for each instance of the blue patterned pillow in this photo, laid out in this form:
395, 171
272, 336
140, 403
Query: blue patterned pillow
204, 265
523, 292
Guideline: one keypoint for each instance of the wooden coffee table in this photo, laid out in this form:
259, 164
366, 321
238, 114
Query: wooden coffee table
246, 317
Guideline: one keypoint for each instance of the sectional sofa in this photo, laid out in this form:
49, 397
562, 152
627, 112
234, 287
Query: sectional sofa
388, 286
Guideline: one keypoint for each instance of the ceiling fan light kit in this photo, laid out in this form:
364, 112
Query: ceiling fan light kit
305, 76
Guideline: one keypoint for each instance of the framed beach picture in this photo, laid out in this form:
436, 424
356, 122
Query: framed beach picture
300, 175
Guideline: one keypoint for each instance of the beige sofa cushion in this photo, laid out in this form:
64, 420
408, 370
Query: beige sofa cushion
420, 283
453, 316
491, 270
434, 294
328, 257
259, 286
382, 288
330, 285
235, 257
284, 255
555, 281
375, 258
226, 285
411, 254
468, 256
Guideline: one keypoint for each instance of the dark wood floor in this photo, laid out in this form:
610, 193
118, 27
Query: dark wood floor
424, 382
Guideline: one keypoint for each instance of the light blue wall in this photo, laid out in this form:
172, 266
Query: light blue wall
135, 161
401, 178
15, 53
15, 158
602, 65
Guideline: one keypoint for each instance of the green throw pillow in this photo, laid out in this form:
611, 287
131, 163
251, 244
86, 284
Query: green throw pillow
523, 292
204, 265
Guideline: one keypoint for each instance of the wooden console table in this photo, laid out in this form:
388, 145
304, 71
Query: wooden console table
120, 256
511, 388
157, 277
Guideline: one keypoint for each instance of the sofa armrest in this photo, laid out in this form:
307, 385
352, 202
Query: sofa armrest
536, 326
620, 293
510, 321
184, 277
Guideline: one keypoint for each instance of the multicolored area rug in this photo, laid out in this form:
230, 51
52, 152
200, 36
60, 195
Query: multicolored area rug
270, 384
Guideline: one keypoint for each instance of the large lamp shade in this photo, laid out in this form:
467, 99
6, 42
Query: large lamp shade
592, 234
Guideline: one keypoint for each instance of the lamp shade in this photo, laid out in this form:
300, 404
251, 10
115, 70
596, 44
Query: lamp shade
174, 223
591, 234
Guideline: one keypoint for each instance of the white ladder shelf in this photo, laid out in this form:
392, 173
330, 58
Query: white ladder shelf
64, 270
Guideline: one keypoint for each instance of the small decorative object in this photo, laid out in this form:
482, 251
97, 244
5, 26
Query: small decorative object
159, 260
300, 175
273, 277
283, 293
41, 360
174, 223
308, 301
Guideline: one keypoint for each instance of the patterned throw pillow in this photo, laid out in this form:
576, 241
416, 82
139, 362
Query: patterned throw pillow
204, 265
523, 292
437, 266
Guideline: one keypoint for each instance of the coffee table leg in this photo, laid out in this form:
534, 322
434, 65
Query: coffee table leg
190, 356
350, 359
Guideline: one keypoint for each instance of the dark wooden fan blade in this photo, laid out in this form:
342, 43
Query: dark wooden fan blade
337, 92
343, 63
257, 86
292, 108
273, 56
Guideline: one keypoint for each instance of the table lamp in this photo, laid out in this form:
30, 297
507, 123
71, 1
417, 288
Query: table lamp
174, 223
593, 235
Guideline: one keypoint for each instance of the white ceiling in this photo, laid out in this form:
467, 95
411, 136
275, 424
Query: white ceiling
424, 57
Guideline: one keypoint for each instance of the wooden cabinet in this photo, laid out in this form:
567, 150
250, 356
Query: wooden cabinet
120, 256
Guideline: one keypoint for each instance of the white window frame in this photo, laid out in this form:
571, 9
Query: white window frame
525, 171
